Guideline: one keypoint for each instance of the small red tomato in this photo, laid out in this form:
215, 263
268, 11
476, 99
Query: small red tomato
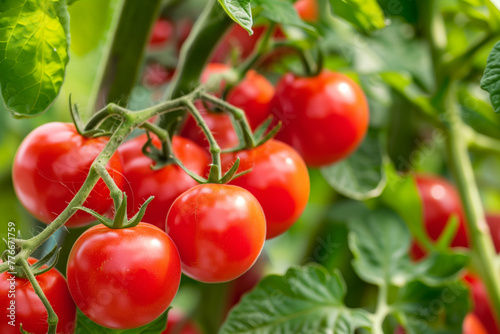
183, 28
440, 200
324, 118
278, 179
178, 324
20, 304
482, 305
219, 229
163, 31
50, 167
493, 221
253, 95
165, 184
307, 9
123, 278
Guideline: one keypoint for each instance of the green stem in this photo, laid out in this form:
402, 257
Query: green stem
215, 150
195, 54
52, 318
123, 58
482, 250
115, 192
479, 142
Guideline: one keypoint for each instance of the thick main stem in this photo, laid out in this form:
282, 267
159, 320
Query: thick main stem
483, 252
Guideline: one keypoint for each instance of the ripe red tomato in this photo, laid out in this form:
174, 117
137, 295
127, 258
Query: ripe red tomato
253, 94
324, 118
279, 180
440, 200
165, 184
493, 221
52, 164
482, 305
219, 229
178, 324
156, 75
307, 9
163, 31
123, 278
237, 39
29, 310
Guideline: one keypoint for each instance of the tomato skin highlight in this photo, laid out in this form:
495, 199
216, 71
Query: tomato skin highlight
324, 118
440, 200
165, 184
253, 95
52, 164
123, 278
29, 309
219, 230
279, 180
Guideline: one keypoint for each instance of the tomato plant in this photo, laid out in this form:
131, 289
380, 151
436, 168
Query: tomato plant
21, 305
367, 130
219, 229
107, 274
324, 117
51, 165
278, 178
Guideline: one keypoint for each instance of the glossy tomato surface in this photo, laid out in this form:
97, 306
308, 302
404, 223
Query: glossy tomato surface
493, 221
278, 179
165, 184
307, 9
482, 306
472, 325
177, 323
253, 95
219, 230
123, 278
50, 167
324, 118
440, 200
29, 309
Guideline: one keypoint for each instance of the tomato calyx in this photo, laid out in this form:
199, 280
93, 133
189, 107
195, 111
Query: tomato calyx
81, 127
121, 219
40, 267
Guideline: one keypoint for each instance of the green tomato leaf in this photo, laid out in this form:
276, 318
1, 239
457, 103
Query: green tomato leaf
33, 53
281, 12
380, 242
304, 300
490, 81
86, 326
361, 175
365, 15
432, 310
240, 11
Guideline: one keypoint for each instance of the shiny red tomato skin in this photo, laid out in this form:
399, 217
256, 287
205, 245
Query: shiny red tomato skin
440, 200
52, 164
176, 319
123, 278
472, 325
253, 94
29, 309
279, 180
482, 305
165, 184
163, 31
324, 118
493, 221
219, 230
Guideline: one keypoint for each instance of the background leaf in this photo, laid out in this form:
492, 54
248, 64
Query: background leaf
304, 300
281, 12
362, 174
365, 15
491, 78
240, 11
33, 53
